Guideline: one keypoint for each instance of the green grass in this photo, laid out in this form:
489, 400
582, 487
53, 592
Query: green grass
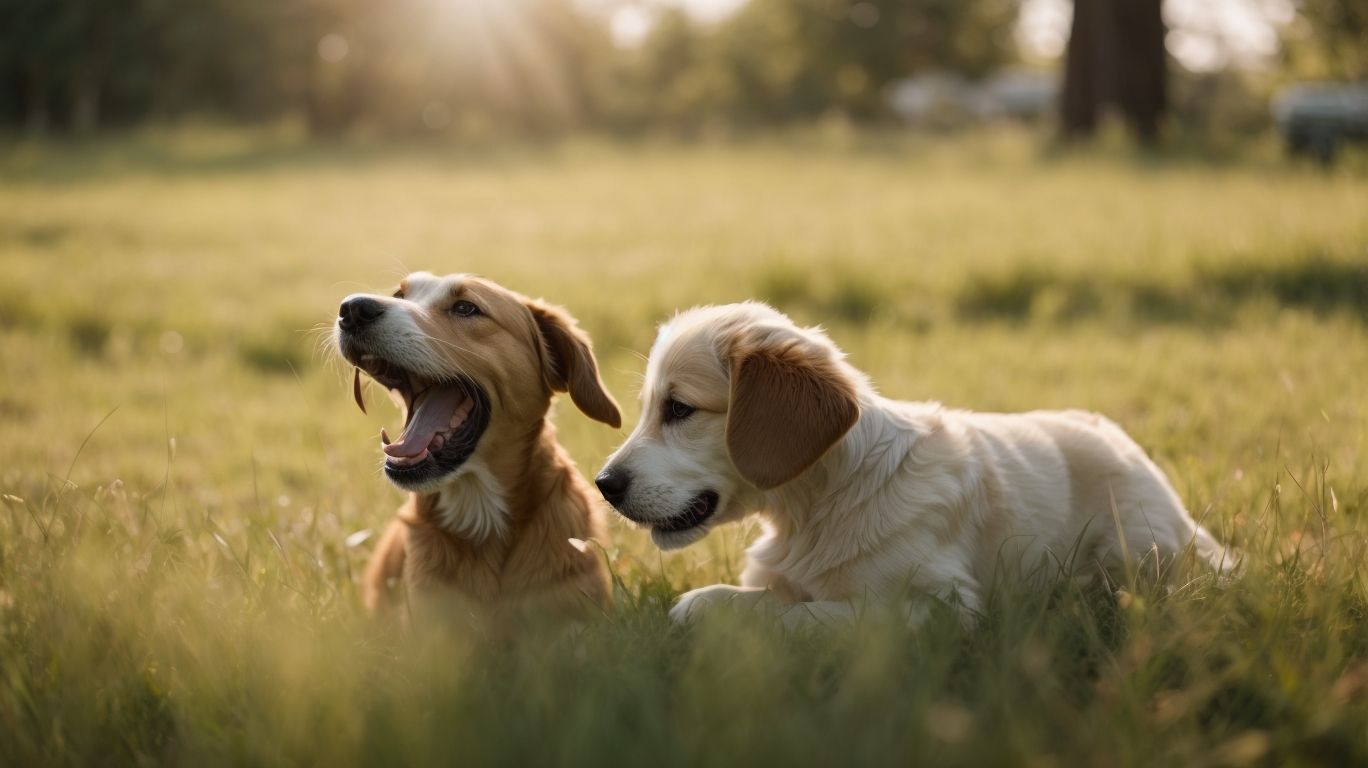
178, 584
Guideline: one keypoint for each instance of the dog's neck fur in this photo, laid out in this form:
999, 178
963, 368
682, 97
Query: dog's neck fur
492, 493
472, 505
526, 499
874, 449
826, 503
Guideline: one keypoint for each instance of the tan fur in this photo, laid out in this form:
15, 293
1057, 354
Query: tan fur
571, 365
386, 567
521, 352
787, 408
497, 578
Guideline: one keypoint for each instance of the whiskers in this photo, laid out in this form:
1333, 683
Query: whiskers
400, 270
325, 350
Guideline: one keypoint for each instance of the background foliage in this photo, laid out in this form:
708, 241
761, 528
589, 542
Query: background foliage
476, 68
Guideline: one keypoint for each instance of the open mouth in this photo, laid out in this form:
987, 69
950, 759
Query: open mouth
699, 510
444, 420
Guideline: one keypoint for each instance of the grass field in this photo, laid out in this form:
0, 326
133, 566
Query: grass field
188, 485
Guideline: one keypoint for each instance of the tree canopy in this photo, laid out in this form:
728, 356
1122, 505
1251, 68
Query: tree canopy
523, 65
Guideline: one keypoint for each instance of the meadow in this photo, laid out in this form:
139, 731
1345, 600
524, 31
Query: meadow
189, 493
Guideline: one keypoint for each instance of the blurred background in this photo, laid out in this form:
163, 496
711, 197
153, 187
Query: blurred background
475, 69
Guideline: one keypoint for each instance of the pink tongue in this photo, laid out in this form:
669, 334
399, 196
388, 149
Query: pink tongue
431, 414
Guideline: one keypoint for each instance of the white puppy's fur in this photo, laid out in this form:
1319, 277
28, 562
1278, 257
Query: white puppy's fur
861, 496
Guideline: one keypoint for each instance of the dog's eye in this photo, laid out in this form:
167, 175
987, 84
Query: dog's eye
464, 309
677, 411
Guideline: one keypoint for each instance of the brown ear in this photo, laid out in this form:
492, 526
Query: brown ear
788, 407
569, 364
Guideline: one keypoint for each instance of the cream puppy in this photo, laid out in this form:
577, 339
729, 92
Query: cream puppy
861, 496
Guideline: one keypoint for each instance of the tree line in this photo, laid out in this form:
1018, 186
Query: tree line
542, 66
527, 66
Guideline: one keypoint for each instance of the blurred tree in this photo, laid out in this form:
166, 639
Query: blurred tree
794, 59
78, 66
1115, 59
61, 62
1329, 39
677, 74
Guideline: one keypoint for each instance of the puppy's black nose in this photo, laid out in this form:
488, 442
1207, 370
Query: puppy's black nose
358, 311
613, 484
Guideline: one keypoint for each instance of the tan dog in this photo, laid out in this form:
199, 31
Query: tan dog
494, 500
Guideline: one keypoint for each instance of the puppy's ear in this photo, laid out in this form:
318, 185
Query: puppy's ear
568, 363
790, 403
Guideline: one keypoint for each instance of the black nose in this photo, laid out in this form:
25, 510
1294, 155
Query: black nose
613, 484
358, 312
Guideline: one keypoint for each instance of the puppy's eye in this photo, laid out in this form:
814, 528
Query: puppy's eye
677, 411
464, 309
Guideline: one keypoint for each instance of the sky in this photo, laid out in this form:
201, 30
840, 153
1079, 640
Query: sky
1204, 35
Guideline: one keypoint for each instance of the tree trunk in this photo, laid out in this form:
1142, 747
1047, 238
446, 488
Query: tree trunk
1115, 59
1080, 103
85, 104
1142, 90
37, 116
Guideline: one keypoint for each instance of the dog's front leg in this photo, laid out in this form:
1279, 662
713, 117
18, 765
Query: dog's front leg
696, 602
385, 571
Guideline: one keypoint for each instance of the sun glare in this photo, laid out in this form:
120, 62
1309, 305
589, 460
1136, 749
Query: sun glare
505, 45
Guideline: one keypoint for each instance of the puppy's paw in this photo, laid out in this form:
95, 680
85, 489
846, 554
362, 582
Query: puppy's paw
696, 602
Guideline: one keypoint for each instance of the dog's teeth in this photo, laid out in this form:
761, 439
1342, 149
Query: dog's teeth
462, 411
384, 437
356, 390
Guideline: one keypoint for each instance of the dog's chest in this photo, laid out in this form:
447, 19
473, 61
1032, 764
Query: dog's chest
438, 561
797, 567
464, 547
854, 549
472, 506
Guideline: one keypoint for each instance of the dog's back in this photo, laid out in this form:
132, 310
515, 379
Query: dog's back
1085, 491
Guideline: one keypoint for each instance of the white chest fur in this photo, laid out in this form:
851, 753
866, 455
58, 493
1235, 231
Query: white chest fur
472, 504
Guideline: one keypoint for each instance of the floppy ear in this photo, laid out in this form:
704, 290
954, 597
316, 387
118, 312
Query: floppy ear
789, 405
568, 364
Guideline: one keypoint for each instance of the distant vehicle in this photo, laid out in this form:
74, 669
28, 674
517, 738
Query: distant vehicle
945, 96
1319, 118
1019, 94
937, 97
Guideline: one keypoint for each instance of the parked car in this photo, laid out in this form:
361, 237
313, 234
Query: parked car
945, 97
1319, 118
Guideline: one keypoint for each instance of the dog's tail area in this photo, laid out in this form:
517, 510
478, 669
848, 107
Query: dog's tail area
1222, 559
